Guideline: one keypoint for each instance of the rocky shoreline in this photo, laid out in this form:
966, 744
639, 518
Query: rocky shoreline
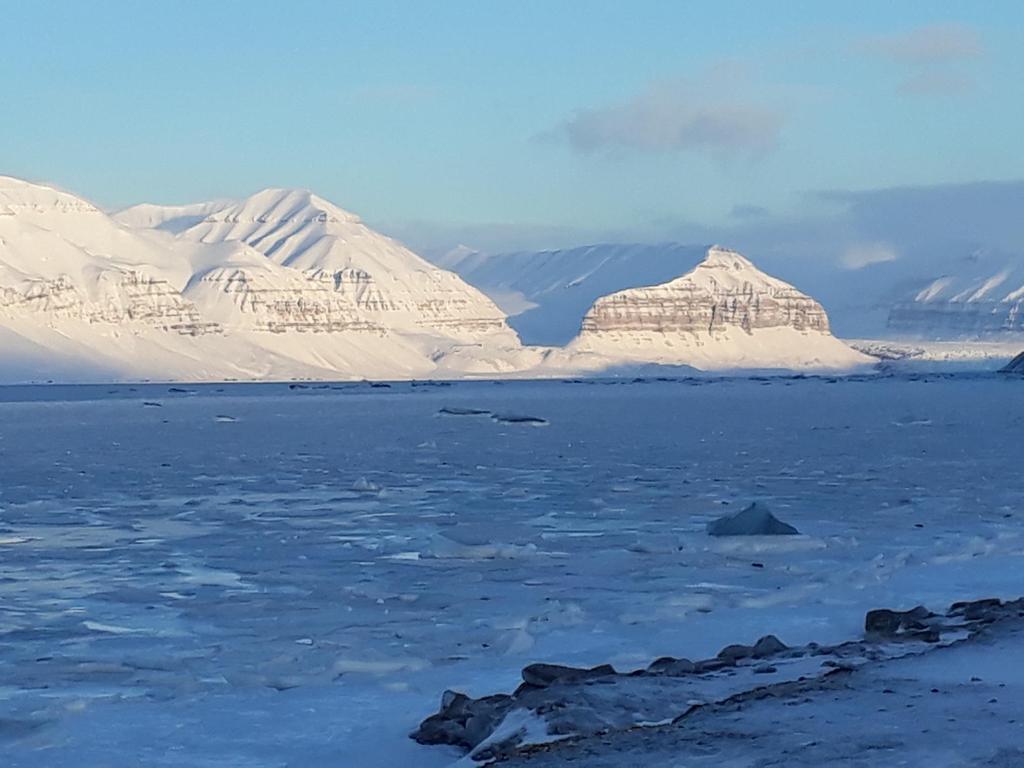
556, 706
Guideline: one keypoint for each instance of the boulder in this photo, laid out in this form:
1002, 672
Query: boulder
885, 623
671, 667
543, 675
769, 645
1015, 366
736, 652
755, 520
462, 721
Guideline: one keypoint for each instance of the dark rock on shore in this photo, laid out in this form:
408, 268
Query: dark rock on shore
755, 520
543, 675
596, 700
914, 624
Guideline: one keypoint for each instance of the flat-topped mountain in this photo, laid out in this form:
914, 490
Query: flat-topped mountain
724, 313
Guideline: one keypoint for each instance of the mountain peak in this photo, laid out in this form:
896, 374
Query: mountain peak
283, 204
720, 257
20, 194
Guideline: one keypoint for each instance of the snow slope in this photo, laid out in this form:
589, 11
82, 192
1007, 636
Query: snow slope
168, 218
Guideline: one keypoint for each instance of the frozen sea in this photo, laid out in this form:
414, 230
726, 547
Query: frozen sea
266, 575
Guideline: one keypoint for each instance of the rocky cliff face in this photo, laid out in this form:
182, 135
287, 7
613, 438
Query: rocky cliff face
276, 301
123, 298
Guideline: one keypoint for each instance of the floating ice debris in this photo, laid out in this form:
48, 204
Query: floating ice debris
526, 421
755, 520
911, 421
362, 485
225, 419
446, 411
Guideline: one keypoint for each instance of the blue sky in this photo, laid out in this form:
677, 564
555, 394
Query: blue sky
575, 118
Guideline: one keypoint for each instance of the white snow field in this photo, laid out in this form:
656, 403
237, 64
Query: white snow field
290, 575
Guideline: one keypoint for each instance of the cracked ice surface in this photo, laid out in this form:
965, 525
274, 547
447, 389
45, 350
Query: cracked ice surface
263, 576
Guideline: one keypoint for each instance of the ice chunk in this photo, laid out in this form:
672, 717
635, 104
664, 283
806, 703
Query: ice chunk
524, 421
449, 411
362, 485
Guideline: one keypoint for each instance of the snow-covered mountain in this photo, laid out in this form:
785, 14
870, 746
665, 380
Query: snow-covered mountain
978, 297
62, 258
547, 293
284, 284
281, 284
724, 313
380, 279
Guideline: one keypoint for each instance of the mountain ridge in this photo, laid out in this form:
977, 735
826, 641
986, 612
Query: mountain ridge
286, 284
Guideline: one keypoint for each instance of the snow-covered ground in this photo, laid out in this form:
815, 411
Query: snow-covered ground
966, 354
275, 575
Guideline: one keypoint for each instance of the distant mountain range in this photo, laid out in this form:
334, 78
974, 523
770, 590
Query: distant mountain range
284, 284
547, 293
981, 296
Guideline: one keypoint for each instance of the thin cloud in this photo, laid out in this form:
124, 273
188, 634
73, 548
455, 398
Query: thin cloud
936, 84
932, 58
746, 212
860, 255
401, 95
930, 44
676, 116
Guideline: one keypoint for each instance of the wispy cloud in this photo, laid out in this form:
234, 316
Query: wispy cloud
936, 84
927, 45
708, 115
860, 255
744, 211
932, 58
400, 95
